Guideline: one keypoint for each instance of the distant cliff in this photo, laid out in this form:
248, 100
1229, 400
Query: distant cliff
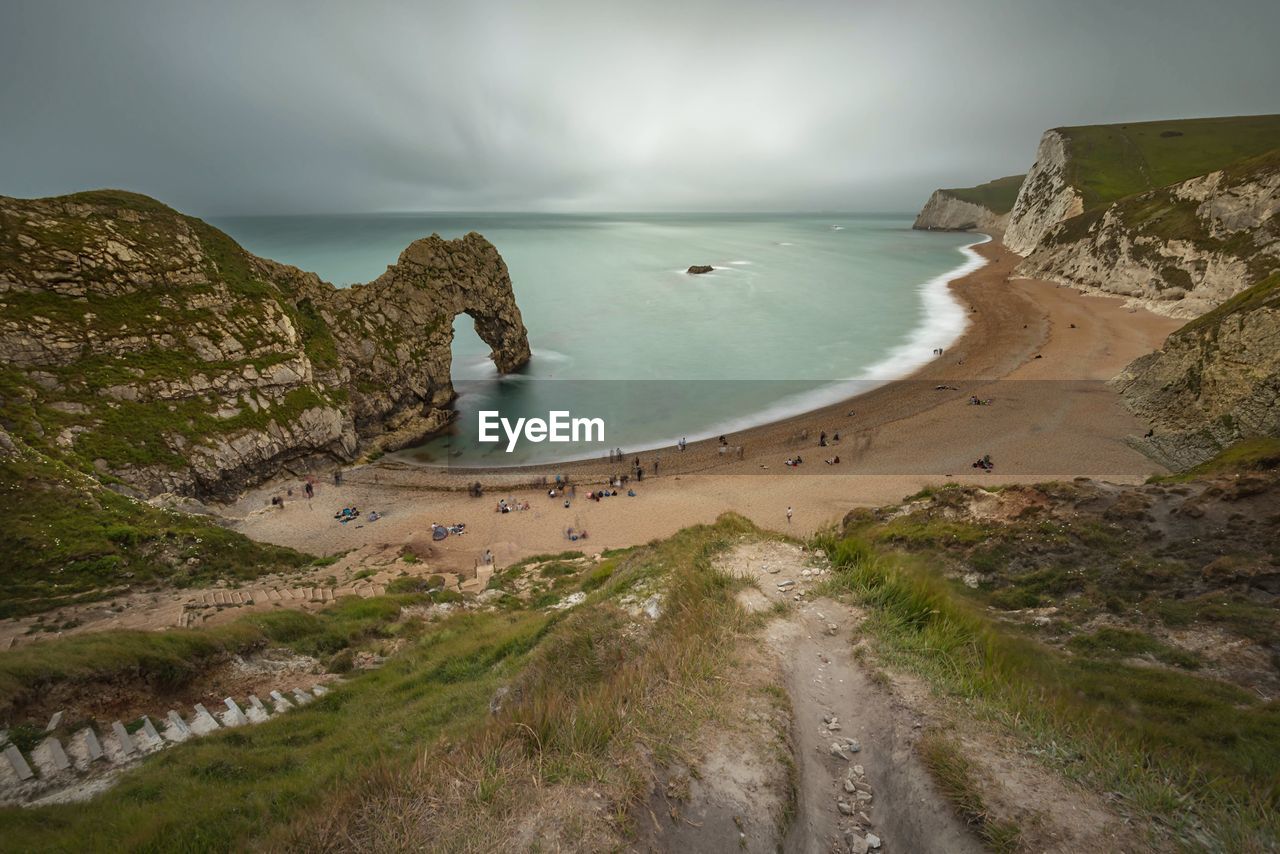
1181, 217
984, 207
151, 347
1180, 250
1214, 382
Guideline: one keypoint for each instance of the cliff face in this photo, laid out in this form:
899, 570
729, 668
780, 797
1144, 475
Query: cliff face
984, 207
149, 345
945, 212
1214, 382
1046, 198
1179, 250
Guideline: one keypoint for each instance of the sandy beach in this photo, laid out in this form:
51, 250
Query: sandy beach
1039, 352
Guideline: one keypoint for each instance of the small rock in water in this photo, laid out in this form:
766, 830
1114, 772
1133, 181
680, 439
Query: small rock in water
873, 841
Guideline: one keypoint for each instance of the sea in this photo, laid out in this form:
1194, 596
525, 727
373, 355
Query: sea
800, 311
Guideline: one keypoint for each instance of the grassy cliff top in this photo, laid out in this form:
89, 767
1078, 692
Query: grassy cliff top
998, 195
1109, 162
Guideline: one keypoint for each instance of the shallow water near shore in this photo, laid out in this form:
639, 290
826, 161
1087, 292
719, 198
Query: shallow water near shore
800, 311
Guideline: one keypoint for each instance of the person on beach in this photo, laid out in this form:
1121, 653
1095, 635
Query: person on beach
337, 478
655, 466
310, 490
788, 515
822, 439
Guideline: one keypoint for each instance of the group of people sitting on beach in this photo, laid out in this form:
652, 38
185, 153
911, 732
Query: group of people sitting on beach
937, 351
974, 400
350, 514
505, 506
574, 534
439, 532
822, 438
792, 462
985, 463
597, 494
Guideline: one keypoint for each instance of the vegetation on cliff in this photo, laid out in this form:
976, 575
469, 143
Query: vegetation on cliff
1109, 162
69, 539
486, 726
997, 196
147, 346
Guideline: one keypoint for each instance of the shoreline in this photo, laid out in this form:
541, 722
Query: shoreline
936, 290
1041, 352
985, 351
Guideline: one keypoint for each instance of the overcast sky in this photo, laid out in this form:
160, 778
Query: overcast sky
271, 106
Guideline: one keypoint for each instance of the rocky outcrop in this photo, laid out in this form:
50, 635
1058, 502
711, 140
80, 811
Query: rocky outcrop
1047, 196
1214, 382
1180, 250
699, 269
945, 212
152, 347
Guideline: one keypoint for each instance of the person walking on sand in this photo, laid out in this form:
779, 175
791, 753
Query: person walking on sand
310, 490
789, 515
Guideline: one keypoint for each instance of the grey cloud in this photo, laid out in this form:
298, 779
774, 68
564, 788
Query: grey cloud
242, 107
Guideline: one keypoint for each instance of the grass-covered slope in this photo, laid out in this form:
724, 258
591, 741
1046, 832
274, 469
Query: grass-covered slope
66, 539
1109, 162
135, 338
426, 752
997, 196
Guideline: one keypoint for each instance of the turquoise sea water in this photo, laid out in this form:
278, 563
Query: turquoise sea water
801, 310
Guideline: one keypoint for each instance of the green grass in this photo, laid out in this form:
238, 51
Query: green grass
998, 195
170, 659
411, 756
1110, 642
1109, 162
956, 778
237, 785
68, 539
1178, 746
1257, 454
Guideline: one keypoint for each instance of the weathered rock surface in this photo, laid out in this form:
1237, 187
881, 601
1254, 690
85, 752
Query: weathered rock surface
1180, 250
151, 346
1214, 382
1046, 198
698, 269
945, 212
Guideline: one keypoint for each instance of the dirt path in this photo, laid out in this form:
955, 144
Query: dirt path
860, 783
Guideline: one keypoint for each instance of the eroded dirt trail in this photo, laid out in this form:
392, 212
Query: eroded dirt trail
860, 783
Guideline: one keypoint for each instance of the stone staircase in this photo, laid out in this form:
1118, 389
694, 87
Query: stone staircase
90, 758
199, 608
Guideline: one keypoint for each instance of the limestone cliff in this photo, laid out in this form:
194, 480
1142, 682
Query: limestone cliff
1047, 196
1179, 250
150, 346
944, 212
1214, 382
982, 208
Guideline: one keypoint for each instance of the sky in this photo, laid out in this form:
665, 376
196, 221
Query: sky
277, 106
